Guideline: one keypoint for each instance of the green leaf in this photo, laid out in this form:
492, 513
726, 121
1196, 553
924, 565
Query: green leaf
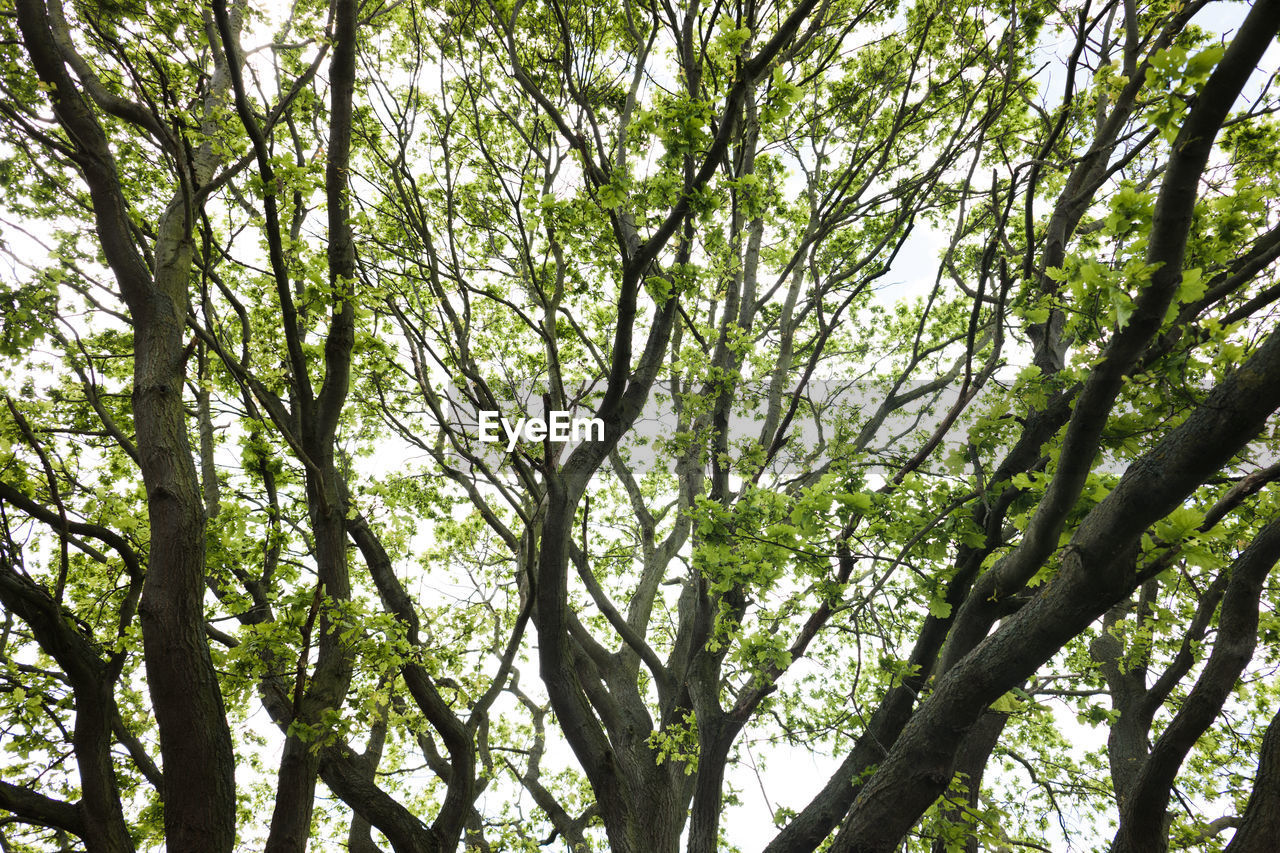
1192, 286
1199, 66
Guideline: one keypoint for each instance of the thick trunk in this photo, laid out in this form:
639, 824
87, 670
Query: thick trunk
970, 766
199, 780
1261, 825
105, 829
716, 738
195, 743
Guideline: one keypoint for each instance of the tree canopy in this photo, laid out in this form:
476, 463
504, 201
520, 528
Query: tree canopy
931, 359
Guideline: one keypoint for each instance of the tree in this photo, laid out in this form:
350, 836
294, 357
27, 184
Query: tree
275, 271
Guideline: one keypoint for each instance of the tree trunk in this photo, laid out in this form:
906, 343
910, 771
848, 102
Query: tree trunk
1261, 825
195, 742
